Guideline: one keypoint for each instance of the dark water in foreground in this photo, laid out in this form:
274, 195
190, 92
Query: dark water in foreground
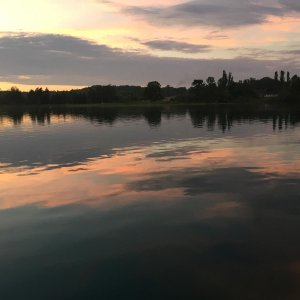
150, 203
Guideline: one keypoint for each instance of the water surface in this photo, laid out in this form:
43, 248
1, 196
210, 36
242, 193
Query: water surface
149, 203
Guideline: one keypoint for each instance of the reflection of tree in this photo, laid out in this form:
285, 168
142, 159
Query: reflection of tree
16, 115
224, 117
224, 121
153, 116
103, 116
197, 116
40, 116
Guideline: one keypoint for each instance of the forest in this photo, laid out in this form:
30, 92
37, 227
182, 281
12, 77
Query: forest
282, 88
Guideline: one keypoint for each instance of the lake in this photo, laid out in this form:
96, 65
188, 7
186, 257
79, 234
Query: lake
162, 202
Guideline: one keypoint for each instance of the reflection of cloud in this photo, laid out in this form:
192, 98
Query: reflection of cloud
134, 249
295, 267
192, 167
195, 181
268, 191
181, 153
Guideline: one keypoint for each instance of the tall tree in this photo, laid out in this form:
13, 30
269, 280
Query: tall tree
153, 91
230, 79
222, 82
282, 76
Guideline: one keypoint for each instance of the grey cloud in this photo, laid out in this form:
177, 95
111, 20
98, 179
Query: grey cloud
51, 43
169, 45
293, 5
219, 13
216, 35
55, 59
259, 53
294, 52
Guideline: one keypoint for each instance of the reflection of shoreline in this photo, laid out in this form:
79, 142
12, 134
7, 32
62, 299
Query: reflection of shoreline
61, 137
221, 117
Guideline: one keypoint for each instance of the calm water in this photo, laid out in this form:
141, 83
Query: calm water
140, 203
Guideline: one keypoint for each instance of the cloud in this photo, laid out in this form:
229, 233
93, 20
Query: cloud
216, 35
292, 5
294, 52
170, 45
218, 13
259, 53
66, 60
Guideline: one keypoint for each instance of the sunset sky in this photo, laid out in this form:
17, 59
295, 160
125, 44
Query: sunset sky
66, 43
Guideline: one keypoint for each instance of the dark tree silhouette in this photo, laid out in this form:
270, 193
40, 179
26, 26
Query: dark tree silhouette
222, 82
280, 88
211, 82
153, 91
230, 79
101, 94
15, 96
282, 77
198, 84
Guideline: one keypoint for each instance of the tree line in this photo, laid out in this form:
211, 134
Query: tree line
283, 87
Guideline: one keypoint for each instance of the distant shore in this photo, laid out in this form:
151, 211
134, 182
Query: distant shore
282, 88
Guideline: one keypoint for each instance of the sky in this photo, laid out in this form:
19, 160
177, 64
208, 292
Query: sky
67, 44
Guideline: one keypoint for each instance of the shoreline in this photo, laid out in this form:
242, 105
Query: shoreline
260, 102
